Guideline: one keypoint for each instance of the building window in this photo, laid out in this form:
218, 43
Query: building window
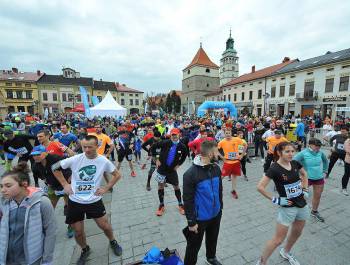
229, 97
70, 97
54, 96
259, 94
273, 92
224, 97
28, 85
242, 96
344, 83
44, 96
137, 95
29, 94
292, 90
64, 97
19, 94
11, 109
19, 84
122, 94
99, 98
137, 102
122, 101
207, 85
207, 70
309, 89
250, 95
282, 91
235, 97
78, 98
131, 102
130, 95
9, 93
233, 68
8, 84
188, 72
330, 69
309, 73
329, 85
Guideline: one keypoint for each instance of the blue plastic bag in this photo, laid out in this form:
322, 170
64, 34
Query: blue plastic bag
153, 256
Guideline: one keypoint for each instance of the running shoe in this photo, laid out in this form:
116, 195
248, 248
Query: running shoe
245, 178
317, 216
143, 166
148, 187
181, 209
213, 261
84, 256
133, 174
345, 192
229, 178
292, 260
160, 210
70, 231
234, 194
327, 176
262, 160
117, 249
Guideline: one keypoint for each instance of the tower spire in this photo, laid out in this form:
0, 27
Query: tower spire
230, 32
200, 43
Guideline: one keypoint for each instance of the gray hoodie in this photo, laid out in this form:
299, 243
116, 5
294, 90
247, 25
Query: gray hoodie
21, 243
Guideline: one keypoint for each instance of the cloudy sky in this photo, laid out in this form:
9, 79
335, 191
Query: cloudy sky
146, 43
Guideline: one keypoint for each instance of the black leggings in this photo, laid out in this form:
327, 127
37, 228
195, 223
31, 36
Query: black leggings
243, 165
333, 159
345, 179
259, 145
268, 161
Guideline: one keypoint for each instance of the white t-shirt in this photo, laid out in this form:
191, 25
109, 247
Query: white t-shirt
86, 176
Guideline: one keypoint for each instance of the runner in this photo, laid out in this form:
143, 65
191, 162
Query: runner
346, 176
196, 144
311, 158
126, 141
147, 146
85, 192
171, 156
27, 221
272, 142
202, 194
103, 141
243, 154
258, 141
230, 147
65, 137
53, 147
291, 183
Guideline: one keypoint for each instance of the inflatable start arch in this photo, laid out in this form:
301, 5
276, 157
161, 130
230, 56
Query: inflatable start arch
226, 105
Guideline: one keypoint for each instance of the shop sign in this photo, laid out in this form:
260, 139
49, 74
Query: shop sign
335, 98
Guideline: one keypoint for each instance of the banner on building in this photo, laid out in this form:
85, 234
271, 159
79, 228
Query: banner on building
84, 98
95, 100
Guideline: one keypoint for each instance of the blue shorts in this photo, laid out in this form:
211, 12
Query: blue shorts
287, 215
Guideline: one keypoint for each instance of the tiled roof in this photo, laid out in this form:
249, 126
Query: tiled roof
104, 85
201, 58
259, 73
10, 75
60, 79
124, 88
328, 58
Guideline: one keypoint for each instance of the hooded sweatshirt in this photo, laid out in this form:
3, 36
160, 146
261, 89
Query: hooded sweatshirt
27, 230
315, 163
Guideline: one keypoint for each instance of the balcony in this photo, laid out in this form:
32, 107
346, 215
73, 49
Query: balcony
310, 96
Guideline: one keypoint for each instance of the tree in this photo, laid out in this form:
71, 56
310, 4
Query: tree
169, 104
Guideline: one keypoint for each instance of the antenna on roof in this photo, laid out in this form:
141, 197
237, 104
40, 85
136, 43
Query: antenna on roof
230, 32
200, 44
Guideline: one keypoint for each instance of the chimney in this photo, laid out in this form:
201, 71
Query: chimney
253, 69
15, 70
286, 59
38, 72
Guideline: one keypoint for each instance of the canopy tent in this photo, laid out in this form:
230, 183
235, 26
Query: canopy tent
108, 107
226, 105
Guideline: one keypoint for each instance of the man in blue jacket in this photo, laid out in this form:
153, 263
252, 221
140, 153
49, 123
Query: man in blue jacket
202, 196
300, 133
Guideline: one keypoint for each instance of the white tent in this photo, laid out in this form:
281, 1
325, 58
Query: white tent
108, 107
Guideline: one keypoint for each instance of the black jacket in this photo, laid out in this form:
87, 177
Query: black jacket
165, 145
19, 145
202, 192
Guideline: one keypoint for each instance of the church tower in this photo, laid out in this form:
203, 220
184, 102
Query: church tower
200, 77
229, 63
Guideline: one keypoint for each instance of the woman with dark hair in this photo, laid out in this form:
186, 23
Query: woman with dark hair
291, 183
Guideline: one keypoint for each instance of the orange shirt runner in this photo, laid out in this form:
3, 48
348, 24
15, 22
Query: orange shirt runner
272, 142
232, 148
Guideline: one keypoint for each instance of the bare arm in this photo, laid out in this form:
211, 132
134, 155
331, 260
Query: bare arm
110, 150
304, 178
70, 152
262, 187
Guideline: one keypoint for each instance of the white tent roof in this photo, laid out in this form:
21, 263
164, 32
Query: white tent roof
108, 107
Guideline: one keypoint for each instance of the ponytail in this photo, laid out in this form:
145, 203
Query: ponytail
20, 173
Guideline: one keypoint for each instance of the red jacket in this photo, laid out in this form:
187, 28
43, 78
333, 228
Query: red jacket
195, 145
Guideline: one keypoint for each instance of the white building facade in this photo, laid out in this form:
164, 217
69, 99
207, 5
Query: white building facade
318, 85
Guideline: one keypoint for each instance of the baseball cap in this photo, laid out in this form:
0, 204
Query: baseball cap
37, 150
315, 141
175, 131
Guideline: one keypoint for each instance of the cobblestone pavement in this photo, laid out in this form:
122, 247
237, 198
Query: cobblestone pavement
246, 224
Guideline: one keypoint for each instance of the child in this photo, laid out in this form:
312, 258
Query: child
27, 221
137, 152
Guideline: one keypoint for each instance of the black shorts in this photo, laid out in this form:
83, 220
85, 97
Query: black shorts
125, 154
171, 178
76, 211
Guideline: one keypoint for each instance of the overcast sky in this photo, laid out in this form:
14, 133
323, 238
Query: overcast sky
146, 44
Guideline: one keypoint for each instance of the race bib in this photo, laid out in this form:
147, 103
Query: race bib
232, 155
130, 157
240, 148
340, 146
159, 178
84, 188
293, 190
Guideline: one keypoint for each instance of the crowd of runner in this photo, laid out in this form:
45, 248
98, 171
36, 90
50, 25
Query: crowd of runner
71, 157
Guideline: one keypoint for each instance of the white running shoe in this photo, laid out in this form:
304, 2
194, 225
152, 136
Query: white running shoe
262, 160
292, 260
345, 192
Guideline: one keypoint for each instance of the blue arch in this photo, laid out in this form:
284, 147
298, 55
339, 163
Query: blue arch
226, 105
